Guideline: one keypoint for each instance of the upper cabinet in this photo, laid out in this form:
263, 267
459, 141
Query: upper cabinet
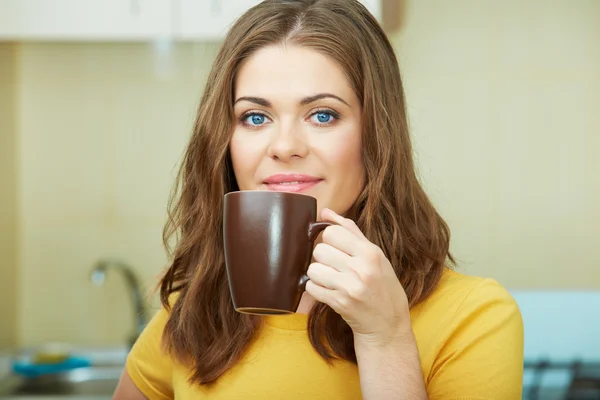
115, 20
210, 19
85, 19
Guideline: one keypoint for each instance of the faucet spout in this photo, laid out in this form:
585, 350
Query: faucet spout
98, 275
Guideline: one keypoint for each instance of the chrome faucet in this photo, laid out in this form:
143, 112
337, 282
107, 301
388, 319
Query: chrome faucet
98, 275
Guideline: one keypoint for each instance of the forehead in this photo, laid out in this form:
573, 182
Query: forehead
277, 70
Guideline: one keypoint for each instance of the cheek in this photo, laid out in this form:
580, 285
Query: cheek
246, 155
346, 172
241, 161
345, 157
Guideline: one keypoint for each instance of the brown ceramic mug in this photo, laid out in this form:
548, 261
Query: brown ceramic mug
268, 240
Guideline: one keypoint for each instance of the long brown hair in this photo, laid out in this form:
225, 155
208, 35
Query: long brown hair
393, 211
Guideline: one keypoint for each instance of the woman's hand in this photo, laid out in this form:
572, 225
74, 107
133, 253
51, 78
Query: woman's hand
353, 276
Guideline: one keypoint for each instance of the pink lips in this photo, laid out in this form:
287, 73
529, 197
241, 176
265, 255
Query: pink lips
291, 182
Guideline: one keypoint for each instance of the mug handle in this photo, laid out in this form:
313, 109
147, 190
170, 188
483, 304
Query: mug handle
313, 231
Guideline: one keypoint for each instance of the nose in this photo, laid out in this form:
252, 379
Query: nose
288, 142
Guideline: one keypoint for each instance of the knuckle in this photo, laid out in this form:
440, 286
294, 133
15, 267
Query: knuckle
368, 277
372, 254
349, 222
328, 233
344, 302
358, 292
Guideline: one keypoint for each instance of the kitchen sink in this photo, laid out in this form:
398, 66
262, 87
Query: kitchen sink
98, 380
88, 381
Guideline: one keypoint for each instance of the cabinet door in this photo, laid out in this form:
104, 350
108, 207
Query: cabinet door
85, 19
211, 19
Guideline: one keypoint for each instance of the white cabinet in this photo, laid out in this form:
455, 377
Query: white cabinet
208, 19
211, 19
114, 20
85, 19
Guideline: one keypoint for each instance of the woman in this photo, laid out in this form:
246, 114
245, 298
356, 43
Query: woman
311, 89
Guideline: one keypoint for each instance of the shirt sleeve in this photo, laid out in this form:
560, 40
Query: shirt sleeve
148, 364
482, 358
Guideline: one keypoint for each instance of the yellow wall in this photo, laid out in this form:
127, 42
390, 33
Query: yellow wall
102, 127
503, 100
8, 195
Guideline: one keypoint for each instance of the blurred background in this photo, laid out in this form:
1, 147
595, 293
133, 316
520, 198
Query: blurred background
97, 101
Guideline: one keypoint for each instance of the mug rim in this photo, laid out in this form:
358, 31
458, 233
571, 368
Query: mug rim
243, 192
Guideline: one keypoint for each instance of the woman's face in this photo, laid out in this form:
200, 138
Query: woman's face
297, 127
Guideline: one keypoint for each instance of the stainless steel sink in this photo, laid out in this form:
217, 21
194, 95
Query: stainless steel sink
89, 381
97, 381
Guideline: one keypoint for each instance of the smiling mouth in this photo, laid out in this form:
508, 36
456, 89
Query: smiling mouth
287, 183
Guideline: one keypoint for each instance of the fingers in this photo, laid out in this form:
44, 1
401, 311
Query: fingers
341, 291
327, 254
325, 276
330, 215
324, 295
341, 238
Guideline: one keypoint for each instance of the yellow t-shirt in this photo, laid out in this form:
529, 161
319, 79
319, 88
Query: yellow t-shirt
469, 334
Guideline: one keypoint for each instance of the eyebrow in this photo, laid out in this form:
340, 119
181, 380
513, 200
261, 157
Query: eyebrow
305, 101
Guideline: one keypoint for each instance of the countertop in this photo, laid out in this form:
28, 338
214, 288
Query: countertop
99, 356
58, 398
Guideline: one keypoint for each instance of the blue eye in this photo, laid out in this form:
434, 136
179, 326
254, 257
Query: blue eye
324, 117
254, 119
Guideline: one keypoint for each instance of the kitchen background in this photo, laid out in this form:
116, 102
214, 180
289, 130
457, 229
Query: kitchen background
96, 108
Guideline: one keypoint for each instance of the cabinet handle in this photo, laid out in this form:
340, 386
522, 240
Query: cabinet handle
215, 7
135, 8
